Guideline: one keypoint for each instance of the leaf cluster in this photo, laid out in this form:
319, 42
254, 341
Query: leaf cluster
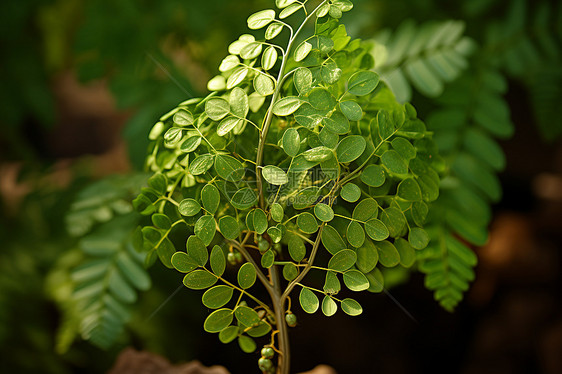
299, 150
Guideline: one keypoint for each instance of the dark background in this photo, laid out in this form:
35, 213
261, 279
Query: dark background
82, 84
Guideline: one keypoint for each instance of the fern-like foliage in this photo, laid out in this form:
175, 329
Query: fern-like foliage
425, 57
472, 113
106, 273
527, 43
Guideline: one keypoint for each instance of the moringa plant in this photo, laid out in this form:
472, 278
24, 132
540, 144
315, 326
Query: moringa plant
299, 171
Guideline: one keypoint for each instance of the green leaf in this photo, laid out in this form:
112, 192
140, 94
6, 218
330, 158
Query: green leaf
318, 154
217, 83
394, 162
297, 249
321, 99
217, 108
133, 271
302, 51
394, 220
291, 142
217, 296
365, 210
325, 44
227, 124
330, 168
269, 58
229, 227
404, 148
332, 284
236, 77
275, 234
350, 148
367, 257
229, 63
229, 334
286, 106
284, 3
355, 234
205, 228
264, 85
337, 123
201, 164
239, 105
218, 320
183, 263
290, 272
183, 118
218, 261
158, 182
260, 221
355, 280
250, 220
388, 254
173, 136
191, 144
342, 260
376, 280
246, 316
277, 212
351, 110
307, 223
274, 175
251, 51
376, 229
329, 306
199, 280
267, 259
197, 250
385, 126
424, 78
247, 344
373, 175
261, 19
350, 192
229, 168
161, 221
409, 190
406, 252
419, 212
303, 80
328, 138
418, 238
335, 12
246, 275
331, 240
260, 330
210, 197
362, 83
323, 212
289, 10
244, 198
165, 252
330, 72
351, 307
273, 30
308, 300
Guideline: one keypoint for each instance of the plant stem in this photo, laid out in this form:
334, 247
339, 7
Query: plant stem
278, 296
284, 359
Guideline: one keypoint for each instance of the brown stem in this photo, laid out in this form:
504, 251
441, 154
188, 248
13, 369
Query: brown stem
284, 359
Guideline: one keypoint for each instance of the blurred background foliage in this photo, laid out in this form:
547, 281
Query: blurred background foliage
84, 81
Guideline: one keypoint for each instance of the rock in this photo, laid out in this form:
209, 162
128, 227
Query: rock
131, 361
